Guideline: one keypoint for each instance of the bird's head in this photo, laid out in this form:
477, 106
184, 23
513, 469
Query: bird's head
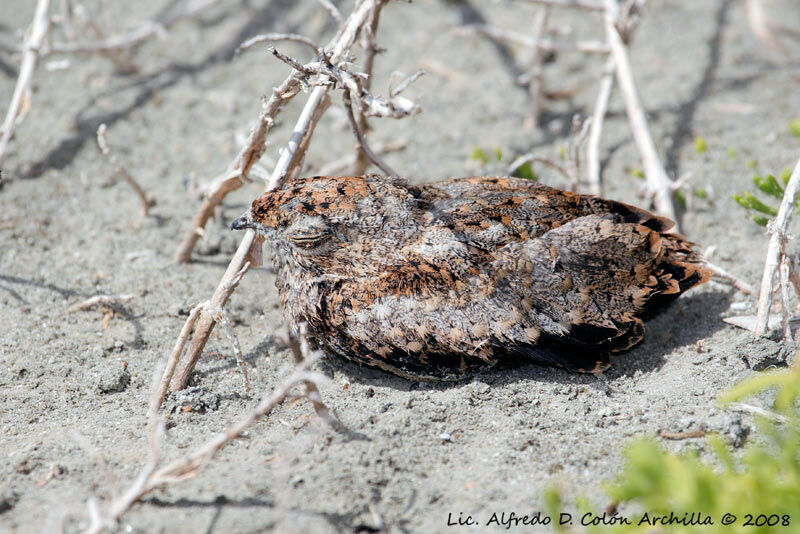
312, 221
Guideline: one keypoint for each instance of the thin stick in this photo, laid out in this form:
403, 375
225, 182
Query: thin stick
361, 141
778, 229
370, 50
725, 276
133, 37
333, 10
152, 477
30, 56
301, 350
122, 171
596, 129
657, 179
271, 37
749, 408
548, 45
536, 84
580, 129
249, 243
172, 361
783, 271
525, 158
344, 162
250, 153
99, 300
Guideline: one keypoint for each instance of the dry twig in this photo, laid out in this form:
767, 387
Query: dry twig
530, 158
132, 38
596, 129
725, 276
20, 99
777, 249
154, 475
749, 408
251, 245
580, 129
657, 179
99, 300
122, 171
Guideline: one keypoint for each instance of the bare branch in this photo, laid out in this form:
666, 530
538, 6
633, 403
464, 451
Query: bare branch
99, 300
122, 171
596, 130
371, 49
362, 144
657, 179
725, 276
250, 153
30, 55
152, 476
132, 38
250, 243
749, 408
333, 10
526, 158
777, 243
339, 165
271, 37
580, 129
402, 86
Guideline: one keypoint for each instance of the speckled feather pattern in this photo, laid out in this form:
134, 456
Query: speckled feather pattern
444, 280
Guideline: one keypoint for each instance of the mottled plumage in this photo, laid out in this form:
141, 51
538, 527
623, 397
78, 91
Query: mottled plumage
443, 280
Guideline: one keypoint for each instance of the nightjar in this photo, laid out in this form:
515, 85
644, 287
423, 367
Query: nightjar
443, 280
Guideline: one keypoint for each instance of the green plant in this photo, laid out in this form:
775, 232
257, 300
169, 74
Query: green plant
700, 145
794, 127
759, 491
768, 185
496, 160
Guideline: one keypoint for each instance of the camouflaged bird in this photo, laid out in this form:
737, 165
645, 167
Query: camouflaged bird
443, 280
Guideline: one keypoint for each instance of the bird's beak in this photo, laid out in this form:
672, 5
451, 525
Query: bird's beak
243, 222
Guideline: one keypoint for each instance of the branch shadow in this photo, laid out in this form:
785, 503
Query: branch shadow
684, 123
85, 127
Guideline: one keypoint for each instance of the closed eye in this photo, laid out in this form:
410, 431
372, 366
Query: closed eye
308, 240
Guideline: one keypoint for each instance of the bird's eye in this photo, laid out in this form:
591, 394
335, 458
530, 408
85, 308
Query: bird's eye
307, 240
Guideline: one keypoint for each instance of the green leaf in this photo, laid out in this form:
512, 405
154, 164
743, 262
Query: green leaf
732, 153
479, 155
794, 127
751, 163
757, 384
498, 154
786, 174
562, 152
526, 171
700, 145
701, 193
636, 172
754, 204
769, 185
680, 197
760, 220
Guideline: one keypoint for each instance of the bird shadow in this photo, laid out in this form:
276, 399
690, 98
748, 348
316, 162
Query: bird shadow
682, 323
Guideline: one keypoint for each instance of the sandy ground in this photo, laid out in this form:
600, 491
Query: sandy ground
413, 453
